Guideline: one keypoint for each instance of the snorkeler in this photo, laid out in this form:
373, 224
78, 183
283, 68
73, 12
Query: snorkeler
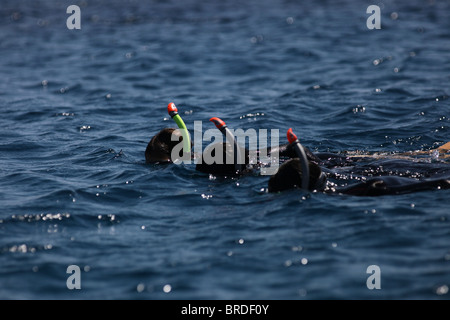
161, 148
303, 169
292, 174
230, 159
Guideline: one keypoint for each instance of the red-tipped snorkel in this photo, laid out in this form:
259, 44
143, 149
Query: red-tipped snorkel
173, 112
292, 138
172, 109
220, 124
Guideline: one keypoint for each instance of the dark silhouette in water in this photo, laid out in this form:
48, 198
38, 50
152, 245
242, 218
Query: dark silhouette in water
423, 176
289, 176
160, 147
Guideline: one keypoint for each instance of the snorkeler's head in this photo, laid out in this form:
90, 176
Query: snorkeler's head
218, 158
289, 176
160, 147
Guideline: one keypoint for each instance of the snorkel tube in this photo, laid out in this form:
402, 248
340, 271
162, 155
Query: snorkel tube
292, 138
220, 124
173, 112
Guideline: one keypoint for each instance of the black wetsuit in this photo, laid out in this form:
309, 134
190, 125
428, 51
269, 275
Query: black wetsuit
376, 177
391, 185
367, 176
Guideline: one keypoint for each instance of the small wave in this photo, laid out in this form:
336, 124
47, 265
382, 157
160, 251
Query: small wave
36, 217
429, 99
25, 248
21, 146
398, 92
76, 88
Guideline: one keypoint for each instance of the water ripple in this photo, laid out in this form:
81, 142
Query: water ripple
80, 106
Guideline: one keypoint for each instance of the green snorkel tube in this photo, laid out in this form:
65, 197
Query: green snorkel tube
292, 138
173, 112
220, 124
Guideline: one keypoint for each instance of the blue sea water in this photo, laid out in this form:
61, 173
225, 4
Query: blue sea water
78, 108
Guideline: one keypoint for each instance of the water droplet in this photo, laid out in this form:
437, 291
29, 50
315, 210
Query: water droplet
167, 288
42, 22
84, 128
435, 154
442, 290
359, 109
140, 287
257, 39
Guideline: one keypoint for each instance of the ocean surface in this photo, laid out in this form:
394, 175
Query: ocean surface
78, 108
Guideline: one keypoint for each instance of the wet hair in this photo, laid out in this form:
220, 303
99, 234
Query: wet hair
224, 168
160, 147
289, 176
